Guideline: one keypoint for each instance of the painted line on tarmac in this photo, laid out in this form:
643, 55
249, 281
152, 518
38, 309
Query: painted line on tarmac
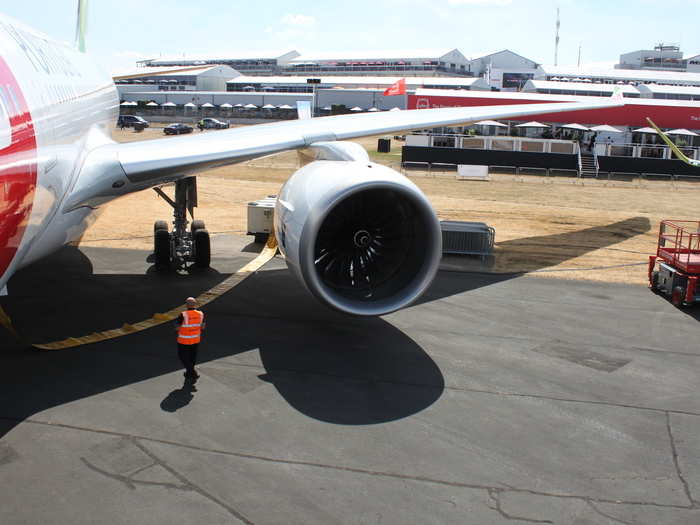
226, 285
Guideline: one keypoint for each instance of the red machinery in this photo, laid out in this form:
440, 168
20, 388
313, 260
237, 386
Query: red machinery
678, 255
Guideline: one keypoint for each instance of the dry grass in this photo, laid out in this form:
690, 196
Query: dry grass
557, 227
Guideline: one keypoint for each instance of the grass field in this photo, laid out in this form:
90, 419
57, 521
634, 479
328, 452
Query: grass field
554, 227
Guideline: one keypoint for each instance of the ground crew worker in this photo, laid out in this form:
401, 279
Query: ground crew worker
189, 327
200, 125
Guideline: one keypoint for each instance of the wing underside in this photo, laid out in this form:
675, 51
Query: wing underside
116, 169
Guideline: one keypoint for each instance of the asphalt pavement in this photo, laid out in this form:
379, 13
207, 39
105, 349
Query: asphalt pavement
497, 399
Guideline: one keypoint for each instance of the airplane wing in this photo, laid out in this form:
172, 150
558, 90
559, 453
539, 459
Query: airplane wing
681, 156
114, 169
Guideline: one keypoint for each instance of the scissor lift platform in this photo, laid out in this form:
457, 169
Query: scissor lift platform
678, 258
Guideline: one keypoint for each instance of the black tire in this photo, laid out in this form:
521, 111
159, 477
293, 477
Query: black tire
655, 281
160, 225
678, 296
161, 249
197, 224
202, 249
261, 238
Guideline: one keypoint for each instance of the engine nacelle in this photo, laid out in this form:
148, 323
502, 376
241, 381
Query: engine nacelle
361, 237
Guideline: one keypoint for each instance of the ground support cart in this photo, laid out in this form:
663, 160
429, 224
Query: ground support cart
678, 257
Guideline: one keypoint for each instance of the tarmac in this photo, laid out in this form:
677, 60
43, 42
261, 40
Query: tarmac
496, 399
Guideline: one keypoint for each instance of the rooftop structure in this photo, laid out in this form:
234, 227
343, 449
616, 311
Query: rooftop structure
663, 57
610, 75
390, 62
250, 62
303, 84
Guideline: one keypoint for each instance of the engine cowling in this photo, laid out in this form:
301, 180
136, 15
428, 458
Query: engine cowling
361, 237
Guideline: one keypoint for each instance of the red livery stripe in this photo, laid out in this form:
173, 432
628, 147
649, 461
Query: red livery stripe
18, 168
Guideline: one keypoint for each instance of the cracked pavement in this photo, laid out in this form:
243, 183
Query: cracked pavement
495, 400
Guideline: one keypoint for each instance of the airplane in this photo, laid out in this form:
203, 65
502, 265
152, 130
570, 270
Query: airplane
681, 156
361, 237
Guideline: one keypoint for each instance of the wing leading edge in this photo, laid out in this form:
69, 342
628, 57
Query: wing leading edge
116, 169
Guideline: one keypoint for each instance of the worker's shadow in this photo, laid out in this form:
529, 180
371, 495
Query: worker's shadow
179, 397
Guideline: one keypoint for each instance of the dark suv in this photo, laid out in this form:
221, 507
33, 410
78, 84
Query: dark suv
129, 121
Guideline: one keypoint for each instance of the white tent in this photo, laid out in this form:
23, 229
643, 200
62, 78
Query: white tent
238, 105
326, 108
207, 105
285, 106
190, 105
125, 103
682, 131
575, 126
395, 108
644, 130
169, 104
491, 123
356, 108
373, 110
152, 104
226, 105
269, 106
532, 124
604, 128
250, 106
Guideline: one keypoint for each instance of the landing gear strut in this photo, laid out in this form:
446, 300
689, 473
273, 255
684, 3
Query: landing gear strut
181, 246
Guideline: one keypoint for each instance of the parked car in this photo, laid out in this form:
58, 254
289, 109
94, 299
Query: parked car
177, 129
212, 123
129, 121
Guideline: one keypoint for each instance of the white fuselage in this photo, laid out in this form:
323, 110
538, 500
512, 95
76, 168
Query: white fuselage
55, 106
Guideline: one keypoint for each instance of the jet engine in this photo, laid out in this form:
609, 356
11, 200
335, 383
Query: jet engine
361, 237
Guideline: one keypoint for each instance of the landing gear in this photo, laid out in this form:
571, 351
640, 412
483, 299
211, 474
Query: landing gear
181, 246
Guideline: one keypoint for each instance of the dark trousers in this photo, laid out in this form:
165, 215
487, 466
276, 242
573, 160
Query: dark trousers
188, 357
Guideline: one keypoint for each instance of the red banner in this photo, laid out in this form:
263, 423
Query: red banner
397, 88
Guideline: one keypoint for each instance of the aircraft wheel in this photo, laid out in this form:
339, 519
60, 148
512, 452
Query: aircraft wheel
161, 249
202, 249
678, 296
197, 224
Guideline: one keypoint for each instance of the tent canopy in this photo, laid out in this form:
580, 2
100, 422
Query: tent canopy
226, 105
285, 106
373, 109
152, 104
269, 106
681, 131
190, 105
532, 124
491, 123
605, 129
207, 105
250, 106
644, 130
356, 108
395, 108
578, 127
169, 104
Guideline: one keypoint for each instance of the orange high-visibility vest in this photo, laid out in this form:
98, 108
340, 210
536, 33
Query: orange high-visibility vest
190, 331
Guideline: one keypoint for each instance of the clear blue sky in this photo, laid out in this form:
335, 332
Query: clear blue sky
121, 31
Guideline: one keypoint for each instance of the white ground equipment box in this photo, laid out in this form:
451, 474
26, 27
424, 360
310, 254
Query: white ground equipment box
467, 238
472, 172
260, 215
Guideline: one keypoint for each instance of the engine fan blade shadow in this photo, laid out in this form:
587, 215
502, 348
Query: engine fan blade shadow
531, 254
326, 365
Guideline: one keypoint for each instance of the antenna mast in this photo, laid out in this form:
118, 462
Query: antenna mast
556, 40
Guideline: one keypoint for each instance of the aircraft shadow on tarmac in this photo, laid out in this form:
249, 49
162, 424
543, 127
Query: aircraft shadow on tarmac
555, 249
329, 366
